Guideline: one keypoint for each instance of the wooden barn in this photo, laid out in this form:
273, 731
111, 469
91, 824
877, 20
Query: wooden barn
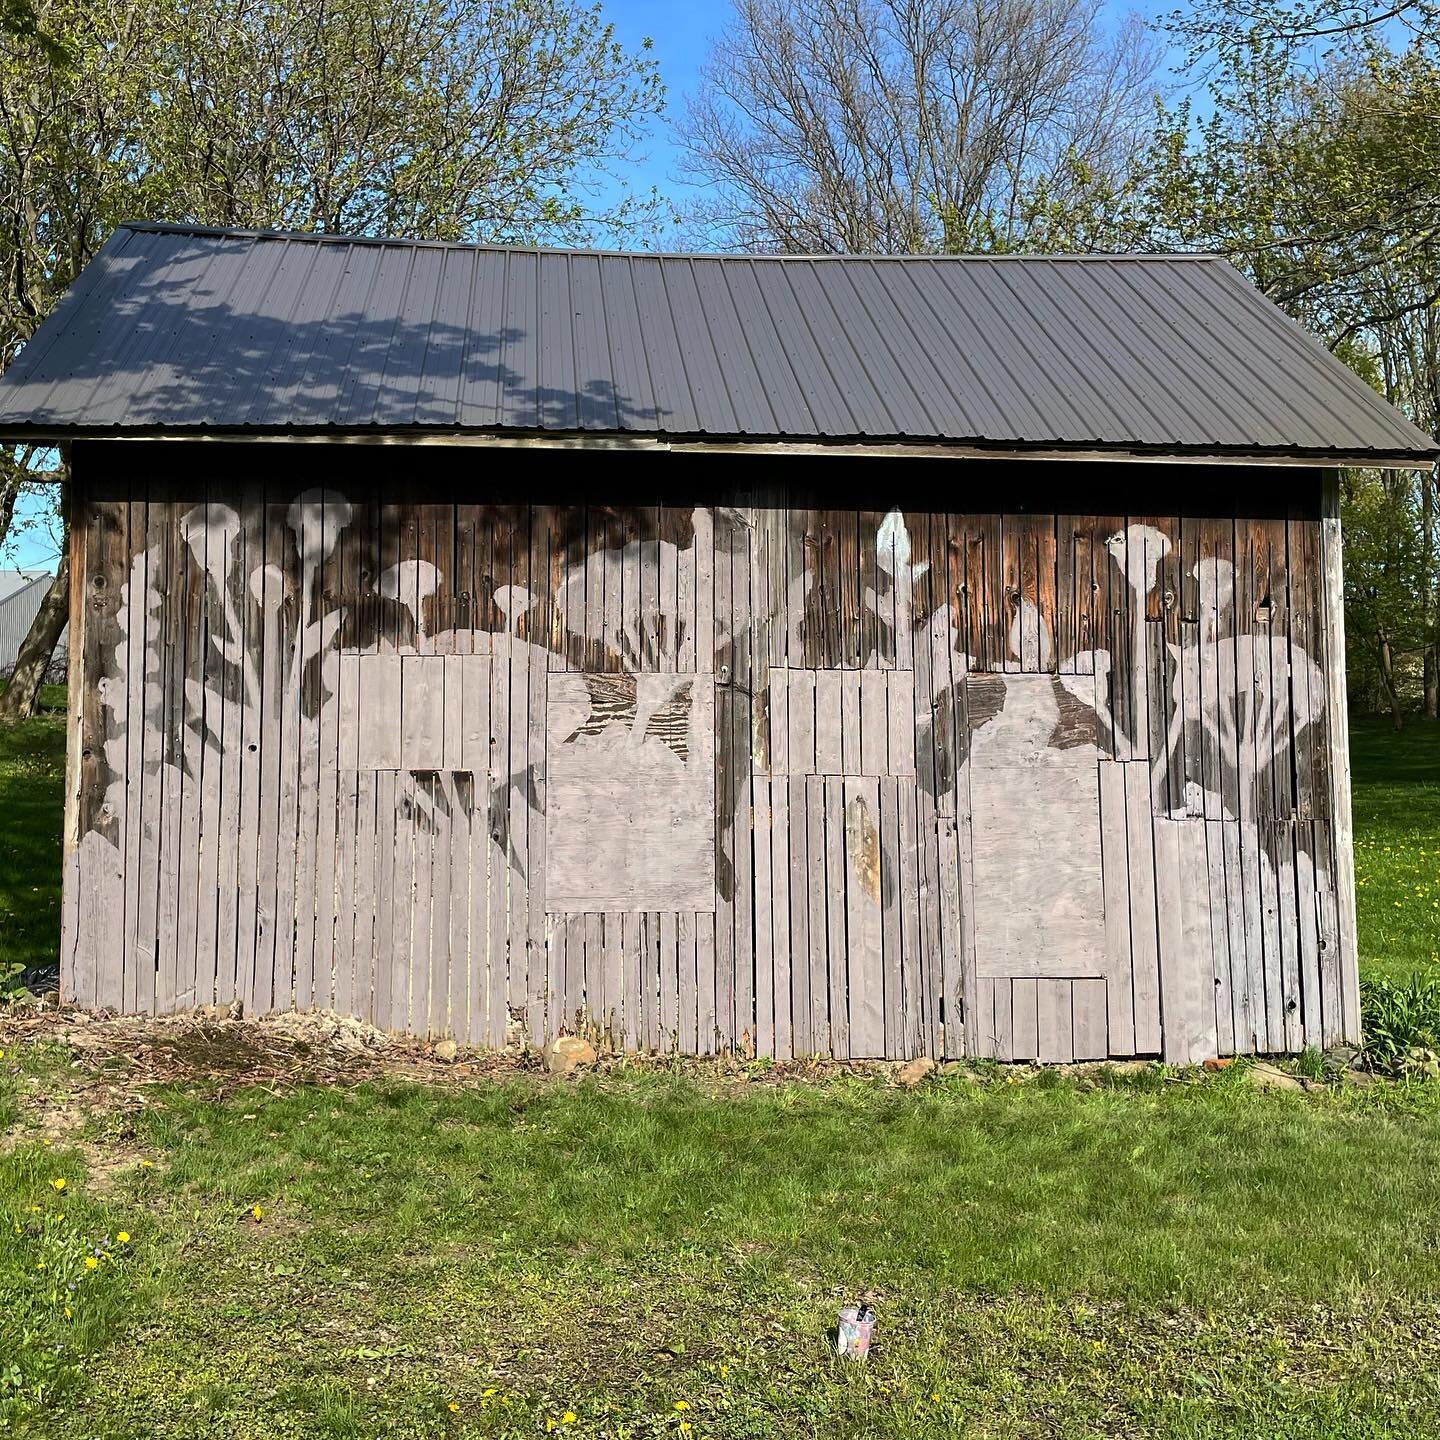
864, 657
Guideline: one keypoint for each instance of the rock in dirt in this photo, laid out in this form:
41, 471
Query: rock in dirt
1126, 1067
1271, 1077
914, 1071
566, 1054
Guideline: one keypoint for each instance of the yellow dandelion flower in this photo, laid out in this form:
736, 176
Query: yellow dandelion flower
147, 1164
256, 1213
39, 1264
569, 1418
549, 1423
91, 1263
936, 1397
57, 1184
68, 1313
682, 1404
47, 1143
123, 1237
488, 1391
453, 1406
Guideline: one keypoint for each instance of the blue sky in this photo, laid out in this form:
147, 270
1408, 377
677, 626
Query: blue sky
682, 34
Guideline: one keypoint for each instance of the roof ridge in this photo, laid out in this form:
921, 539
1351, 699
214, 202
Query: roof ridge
225, 232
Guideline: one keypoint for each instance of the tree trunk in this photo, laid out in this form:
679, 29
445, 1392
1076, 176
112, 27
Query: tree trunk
20, 696
1430, 598
1386, 668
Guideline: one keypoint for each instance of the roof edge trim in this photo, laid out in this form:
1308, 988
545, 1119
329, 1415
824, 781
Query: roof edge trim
757, 446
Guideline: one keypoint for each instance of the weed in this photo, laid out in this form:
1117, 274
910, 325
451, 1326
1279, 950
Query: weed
1400, 1020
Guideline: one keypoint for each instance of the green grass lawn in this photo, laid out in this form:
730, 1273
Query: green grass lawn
1396, 803
651, 1254
641, 1253
32, 802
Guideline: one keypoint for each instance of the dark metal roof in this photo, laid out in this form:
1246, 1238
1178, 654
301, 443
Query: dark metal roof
183, 330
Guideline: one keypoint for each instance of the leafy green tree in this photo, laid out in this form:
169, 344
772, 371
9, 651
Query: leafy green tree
1386, 564
1316, 169
498, 120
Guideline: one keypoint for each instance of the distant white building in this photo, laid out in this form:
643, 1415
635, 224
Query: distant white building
21, 594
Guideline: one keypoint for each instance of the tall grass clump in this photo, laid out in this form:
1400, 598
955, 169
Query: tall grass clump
1401, 1023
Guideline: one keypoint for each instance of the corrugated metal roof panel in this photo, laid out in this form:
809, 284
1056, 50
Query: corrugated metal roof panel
177, 330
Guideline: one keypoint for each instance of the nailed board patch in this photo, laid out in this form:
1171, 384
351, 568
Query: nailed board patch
1039, 897
630, 793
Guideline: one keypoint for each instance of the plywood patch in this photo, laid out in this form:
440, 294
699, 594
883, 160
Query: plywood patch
1039, 892
630, 809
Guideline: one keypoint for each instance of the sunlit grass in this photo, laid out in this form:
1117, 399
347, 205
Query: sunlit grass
1396, 804
1154, 1258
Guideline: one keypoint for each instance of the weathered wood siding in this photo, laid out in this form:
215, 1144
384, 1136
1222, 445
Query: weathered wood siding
762, 764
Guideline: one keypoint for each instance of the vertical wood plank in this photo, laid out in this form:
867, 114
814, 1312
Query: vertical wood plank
1220, 937
669, 988
912, 965
1024, 1020
763, 821
780, 902
864, 916
1337, 724
1089, 1009
893, 963
1242, 1023
425, 825
71, 988
1115, 869
1144, 942
801, 1017
705, 982
837, 952
685, 948
817, 892
1055, 1040
1187, 975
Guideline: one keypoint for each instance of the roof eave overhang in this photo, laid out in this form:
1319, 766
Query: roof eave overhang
865, 446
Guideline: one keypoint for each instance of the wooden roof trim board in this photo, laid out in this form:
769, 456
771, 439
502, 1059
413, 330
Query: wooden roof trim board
651, 444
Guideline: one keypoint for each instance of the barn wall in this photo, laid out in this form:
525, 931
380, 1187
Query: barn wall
709, 755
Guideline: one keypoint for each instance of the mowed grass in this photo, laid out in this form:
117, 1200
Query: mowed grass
645, 1255
32, 804
1396, 805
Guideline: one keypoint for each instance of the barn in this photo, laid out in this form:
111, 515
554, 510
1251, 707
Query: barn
784, 656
